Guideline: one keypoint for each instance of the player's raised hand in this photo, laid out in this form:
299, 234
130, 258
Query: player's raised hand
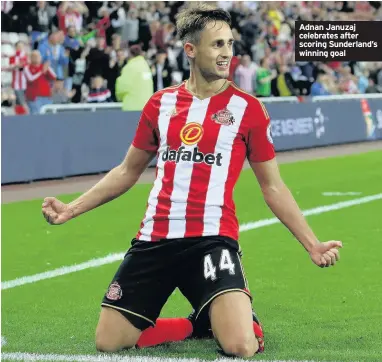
55, 211
326, 254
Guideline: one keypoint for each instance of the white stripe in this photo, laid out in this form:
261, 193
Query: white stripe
20, 356
3, 341
119, 256
168, 102
219, 174
93, 263
182, 177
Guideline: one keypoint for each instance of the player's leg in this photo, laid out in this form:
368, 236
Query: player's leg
135, 297
232, 325
115, 332
214, 281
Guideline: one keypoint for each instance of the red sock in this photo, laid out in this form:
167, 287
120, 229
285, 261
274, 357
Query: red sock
165, 330
257, 330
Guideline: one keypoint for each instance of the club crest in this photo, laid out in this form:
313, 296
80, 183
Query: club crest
224, 117
114, 292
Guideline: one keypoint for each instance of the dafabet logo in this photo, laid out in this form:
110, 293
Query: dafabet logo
191, 133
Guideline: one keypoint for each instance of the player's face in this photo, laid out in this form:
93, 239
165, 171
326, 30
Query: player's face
214, 52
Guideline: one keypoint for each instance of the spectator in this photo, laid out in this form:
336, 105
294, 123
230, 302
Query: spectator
60, 95
372, 88
161, 70
103, 24
38, 92
19, 82
144, 31
115, 68
71, 40
97, 61
98, 92
258, 50
71, 14
78, 65
348, 82
115, 46
235, 62
135, 85
41, 18
183, 65
318, 87
245, 73
117, 19
52, 51
283, 85
238, 45
264, 78
157, 33
130, 30
363, 81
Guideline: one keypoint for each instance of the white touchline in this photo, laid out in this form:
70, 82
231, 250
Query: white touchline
3, 341
19, 356
351, 193
119, 256
111, 258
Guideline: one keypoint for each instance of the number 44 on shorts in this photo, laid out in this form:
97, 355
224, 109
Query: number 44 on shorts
225, 264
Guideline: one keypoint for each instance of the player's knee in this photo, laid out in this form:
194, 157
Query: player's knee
244, 347
106, 343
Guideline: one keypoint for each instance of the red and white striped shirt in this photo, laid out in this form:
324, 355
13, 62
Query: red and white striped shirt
201, 147
19, 81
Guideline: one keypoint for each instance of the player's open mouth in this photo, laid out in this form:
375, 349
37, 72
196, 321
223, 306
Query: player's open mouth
222, 65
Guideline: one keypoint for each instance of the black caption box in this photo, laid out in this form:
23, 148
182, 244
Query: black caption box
338, 40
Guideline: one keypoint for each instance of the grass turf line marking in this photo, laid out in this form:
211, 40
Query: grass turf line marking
93, 263
19, 356
315, 211
3, 341
341, 193
111, 258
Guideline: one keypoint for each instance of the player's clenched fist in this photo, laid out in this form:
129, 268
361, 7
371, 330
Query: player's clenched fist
326, 254
55, 211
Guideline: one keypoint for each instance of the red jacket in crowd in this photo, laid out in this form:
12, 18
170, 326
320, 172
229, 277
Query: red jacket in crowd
38, 81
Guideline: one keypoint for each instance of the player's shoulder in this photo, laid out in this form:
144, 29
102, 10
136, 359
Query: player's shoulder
253, 102
158, 94
251, 99
255, 105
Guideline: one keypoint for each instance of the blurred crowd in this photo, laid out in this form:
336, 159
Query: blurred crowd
74, 52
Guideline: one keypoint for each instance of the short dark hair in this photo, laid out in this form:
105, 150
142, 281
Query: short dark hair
191, 21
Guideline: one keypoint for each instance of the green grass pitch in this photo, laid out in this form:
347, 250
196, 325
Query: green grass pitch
332, 314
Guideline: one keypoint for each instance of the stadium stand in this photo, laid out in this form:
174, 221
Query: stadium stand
84, 40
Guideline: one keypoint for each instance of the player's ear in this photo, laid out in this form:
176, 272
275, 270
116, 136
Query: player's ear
190, 50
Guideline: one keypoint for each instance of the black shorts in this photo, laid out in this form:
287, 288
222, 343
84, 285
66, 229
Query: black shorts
202, 268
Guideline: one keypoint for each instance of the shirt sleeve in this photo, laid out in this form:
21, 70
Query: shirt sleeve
146, 136
259, 141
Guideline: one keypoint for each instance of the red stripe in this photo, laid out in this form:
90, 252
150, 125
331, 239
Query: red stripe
161, 217
228, 222
201, 173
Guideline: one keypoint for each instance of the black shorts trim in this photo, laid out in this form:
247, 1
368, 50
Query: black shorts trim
130, 312
220, 293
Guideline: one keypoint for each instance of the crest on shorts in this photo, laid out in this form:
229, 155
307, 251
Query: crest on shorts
114, 292
224, 117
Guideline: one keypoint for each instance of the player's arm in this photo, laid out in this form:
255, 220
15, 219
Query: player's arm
261, 156
118, 181
282, 203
